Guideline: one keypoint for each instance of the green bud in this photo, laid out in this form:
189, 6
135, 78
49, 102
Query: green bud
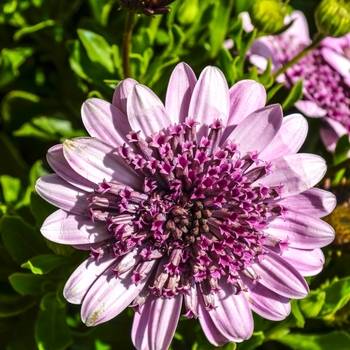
333, 17
267, 15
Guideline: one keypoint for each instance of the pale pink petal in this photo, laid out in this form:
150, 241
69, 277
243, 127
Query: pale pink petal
83, 277
146, 112
246, 96
66, 228
299, 28
106, 122
246, 22
295, 172
340, 63
302, 231
336, 44
281, 277
109, 296
62, 195
257, 130
262, 47
310, 109
214, 336
259, 62
121, 94
178, 96
313, 202
232, 317
210, 100
267, 303
154, 327
331, 131
97, 161
307, 262
60, 165
289, 139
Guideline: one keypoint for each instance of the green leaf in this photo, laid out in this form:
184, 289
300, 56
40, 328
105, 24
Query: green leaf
299, 318
43, 264
21, 240
227, 64
97, 49
14, 304
334, 340
10, 61
218, 33
32, 29
28, 284
342, 149
312, 305
51, 330
40, 208
53, 128
295, 94
273, 90
11, 188
337, 295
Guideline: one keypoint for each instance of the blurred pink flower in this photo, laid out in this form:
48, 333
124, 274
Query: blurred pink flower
202, 202
325, 73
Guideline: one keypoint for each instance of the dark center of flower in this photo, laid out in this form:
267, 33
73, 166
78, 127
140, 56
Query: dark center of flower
200, 213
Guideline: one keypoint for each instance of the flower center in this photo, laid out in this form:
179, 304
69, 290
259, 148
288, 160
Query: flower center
200, 212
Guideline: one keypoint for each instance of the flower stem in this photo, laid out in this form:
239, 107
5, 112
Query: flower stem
302, 54
129, 24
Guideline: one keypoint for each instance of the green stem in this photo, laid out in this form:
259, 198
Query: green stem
302, 54
129, 24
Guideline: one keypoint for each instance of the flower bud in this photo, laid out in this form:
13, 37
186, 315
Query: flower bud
333, 17
267, 15
147, 7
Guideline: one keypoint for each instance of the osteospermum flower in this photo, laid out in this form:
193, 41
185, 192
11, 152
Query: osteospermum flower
325, 72
201, 205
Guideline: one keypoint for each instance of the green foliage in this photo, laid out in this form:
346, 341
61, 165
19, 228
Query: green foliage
56, 54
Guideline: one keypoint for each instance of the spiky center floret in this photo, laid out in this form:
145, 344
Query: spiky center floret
201, 213
322, 83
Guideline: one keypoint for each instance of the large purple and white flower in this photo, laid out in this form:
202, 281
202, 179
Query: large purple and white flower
200, 205
325, 72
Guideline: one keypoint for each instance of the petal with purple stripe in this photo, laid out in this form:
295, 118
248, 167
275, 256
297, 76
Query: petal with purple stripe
146, 112
106, 122
60, 165
179, 92
232, 317
66, 228
313, 202
267, 303
295, 173
154, 327
301, 230
289, 138
246, 96
83, 277
62, 195
281, 277
257, 130
97, 161
210, 100
309, 262
121, 93
109, 296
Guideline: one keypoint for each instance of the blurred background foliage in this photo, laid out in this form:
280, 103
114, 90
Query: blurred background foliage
56, 54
